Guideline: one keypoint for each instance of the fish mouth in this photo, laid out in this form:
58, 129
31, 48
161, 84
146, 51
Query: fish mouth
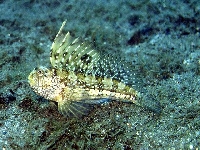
30, 78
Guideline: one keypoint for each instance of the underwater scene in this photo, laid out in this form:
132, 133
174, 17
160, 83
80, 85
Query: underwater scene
99, 75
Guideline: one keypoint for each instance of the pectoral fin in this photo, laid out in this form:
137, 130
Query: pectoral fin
79, 108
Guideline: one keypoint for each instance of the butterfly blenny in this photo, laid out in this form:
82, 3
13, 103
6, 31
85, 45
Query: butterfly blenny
80, 77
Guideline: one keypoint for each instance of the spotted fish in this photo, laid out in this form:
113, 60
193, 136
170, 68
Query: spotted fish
80, 77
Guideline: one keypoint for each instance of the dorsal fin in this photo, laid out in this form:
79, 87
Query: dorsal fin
71, 54
116, 68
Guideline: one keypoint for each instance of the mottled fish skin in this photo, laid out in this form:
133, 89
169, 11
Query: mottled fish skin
75, 82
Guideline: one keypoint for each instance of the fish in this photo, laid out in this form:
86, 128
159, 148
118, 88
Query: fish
80, 77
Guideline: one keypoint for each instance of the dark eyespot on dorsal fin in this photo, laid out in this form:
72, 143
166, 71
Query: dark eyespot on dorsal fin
72, 54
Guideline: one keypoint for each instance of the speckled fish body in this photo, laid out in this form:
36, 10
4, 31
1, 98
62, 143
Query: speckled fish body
76, 79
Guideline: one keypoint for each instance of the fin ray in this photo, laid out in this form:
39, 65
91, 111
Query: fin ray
72, 54
79, 108
74, 109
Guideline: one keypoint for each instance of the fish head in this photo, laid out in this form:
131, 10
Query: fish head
39, 77
46, 83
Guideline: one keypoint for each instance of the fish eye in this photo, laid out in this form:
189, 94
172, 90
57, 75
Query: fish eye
46, 71
39, 71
